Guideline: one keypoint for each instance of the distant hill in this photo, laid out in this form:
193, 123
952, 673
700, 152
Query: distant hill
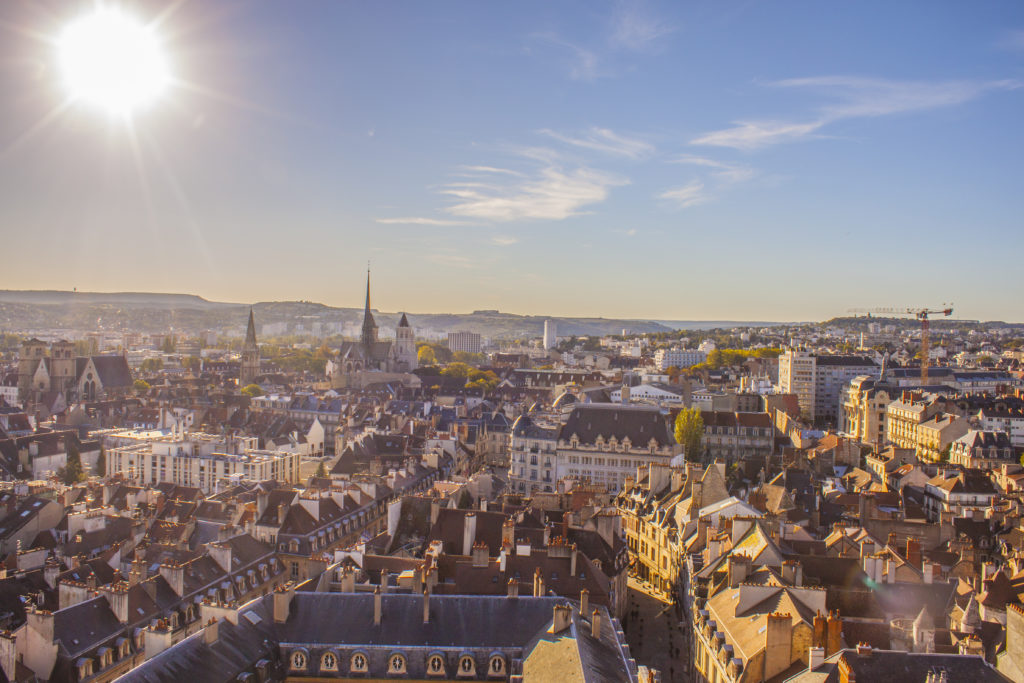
154, 312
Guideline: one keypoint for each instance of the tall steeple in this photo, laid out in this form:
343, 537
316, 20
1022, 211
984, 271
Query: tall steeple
369, 325
250, 332
249, 369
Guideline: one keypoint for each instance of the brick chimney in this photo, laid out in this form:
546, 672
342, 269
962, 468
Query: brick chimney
834, 629
508, 533
561, 619
174, 575
513, 588
210, 632
538, 583
480, 554
117, 595
595, 624
584, 602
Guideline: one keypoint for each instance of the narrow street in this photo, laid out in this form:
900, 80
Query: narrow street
653, 633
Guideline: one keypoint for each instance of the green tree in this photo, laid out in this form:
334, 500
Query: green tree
252, 390
168, 346
465, 500
467, 357
101, 463
321, 471
425, 356
152, 365
191, 363
72, 472
690, 432
141, 386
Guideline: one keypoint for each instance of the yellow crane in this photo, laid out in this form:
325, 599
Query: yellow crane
921, 314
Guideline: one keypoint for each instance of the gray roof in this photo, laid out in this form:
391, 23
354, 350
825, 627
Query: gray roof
639, 423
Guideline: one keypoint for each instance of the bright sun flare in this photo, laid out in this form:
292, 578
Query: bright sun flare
112, 62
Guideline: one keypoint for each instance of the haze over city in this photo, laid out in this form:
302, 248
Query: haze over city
759, 161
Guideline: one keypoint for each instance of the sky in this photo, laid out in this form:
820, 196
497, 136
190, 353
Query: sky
685, 161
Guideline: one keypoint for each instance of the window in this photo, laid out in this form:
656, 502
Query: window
298, 660
359, 663
467, 666
329, 662
396, 664
496, 667
435, 665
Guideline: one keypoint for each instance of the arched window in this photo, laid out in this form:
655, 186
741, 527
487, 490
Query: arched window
496, 666
359, 663
329, 662
435, 665
298, 660
396, 664
467, 666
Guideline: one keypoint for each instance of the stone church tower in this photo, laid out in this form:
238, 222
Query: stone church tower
369, 334
405, 346
250, 368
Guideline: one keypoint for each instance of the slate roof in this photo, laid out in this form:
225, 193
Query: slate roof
639, 423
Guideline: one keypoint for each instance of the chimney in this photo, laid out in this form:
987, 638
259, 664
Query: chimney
175, 576
561, 618
210, 632
221, 554
261, 503
778, 644
738, 566
283, 602
376, 606
914, 552
435, 512
282, 512
117, 595
793, 572
8, 654
50, 571
468, 533
929, 572
867, 548
348, 580
820, 636
595, 624
538, 583
696, 498
426, 607
815, 658
834, 634
508, 532
572, 560
480, 554
513, 588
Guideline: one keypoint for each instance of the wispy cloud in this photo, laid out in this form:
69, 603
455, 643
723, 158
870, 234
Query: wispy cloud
420, 220
731, 173
853, 97
581, 63
504, 240
605, 140
635, 27
552, 192
688, 195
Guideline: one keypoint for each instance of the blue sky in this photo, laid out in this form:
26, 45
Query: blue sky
758, 160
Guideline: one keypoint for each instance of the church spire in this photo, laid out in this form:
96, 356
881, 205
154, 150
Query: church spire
369, 325
250, 332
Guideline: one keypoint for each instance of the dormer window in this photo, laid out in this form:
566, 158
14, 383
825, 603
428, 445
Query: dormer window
298, 661
496, 666
329, 662
435, 665
359, 664
467, 666
396, 664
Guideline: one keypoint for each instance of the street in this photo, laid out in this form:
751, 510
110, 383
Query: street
653, 633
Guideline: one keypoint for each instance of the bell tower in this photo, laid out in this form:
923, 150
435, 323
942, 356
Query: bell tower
250, 367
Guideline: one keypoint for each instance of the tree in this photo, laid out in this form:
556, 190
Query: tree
467, 357
72, 472
690, 432
141, 386
101, 463
465, 500
191, 363
459, 370
321, 471
425, 356
252, 390
168, 346
152, 365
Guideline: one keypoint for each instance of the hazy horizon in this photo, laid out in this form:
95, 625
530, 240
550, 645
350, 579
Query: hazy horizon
641, 160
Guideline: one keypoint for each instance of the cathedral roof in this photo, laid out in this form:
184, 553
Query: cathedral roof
250, 332
404, 322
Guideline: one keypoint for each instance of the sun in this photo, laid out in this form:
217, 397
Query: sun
112, 62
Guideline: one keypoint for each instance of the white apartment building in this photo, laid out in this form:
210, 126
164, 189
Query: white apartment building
601, 443
200, 460
817, 380
470, 342
678, 358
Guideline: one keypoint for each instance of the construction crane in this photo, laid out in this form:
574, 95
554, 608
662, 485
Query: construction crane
921, 314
